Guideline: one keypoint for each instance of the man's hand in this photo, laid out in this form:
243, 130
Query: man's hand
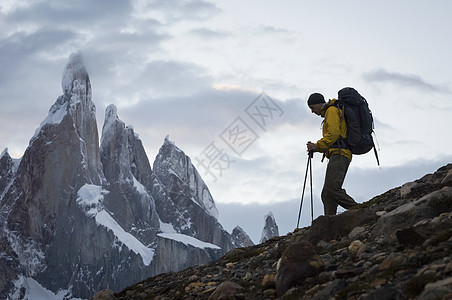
311, 146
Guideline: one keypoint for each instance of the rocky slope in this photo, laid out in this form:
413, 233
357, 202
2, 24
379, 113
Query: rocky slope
396, 246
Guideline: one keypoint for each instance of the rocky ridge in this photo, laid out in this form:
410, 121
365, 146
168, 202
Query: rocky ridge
398, 245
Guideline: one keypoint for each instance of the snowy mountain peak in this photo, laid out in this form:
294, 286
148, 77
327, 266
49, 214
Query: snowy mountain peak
167, 141
111, 112
240, 238
76, 100
74, 73
270, 228
174, 168
270, 215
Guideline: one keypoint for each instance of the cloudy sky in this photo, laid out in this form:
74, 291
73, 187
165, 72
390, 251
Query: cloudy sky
228, 82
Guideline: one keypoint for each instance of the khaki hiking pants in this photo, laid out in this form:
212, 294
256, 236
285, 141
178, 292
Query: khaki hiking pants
333, 194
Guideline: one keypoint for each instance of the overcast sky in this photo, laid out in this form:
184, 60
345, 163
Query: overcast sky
228, 82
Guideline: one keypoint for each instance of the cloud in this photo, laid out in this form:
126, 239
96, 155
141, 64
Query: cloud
173, 78
200, 116
20, 51
84, 14
297, 112
266, 29
403, 80
207, 33
176, 11
197, 117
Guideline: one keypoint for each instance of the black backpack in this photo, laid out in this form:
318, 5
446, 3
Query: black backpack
359, 120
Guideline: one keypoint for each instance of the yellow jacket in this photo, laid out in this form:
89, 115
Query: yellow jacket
333, 127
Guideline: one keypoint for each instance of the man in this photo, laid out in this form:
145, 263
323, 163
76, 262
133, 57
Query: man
334, 148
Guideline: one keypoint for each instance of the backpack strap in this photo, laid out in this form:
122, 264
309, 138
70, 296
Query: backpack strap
340, 142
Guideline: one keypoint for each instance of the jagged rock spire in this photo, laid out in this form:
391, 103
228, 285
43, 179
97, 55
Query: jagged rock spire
172, 164
114, 148
75, 77
240, 238
6, 171
270, 228
77, 94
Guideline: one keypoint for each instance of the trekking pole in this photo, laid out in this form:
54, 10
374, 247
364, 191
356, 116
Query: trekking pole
310, 155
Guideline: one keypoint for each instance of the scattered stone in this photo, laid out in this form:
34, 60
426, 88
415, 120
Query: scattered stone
409, 236
357, 231
447, 296
406, 188
439, 283
378, 282
448, 179
226, 290
355, 246
323, 244
448, 268
393, 261
436, 293
270, 293
331, 289
269, 282
348, 273
194, 287
104, 295
381, 293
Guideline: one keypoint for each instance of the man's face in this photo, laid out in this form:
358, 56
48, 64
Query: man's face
316, 109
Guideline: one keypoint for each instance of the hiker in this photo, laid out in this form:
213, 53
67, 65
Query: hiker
335, 150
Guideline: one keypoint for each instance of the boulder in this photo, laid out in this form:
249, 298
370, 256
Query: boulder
298, 262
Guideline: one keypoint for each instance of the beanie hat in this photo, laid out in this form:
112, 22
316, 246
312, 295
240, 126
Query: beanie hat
316, 98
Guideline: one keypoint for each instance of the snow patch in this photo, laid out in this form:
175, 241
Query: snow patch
55, 117
56, 114
34, 290
105, 219
140, 188
29, 253
209, 204
166, 227
90, 197
188, 240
